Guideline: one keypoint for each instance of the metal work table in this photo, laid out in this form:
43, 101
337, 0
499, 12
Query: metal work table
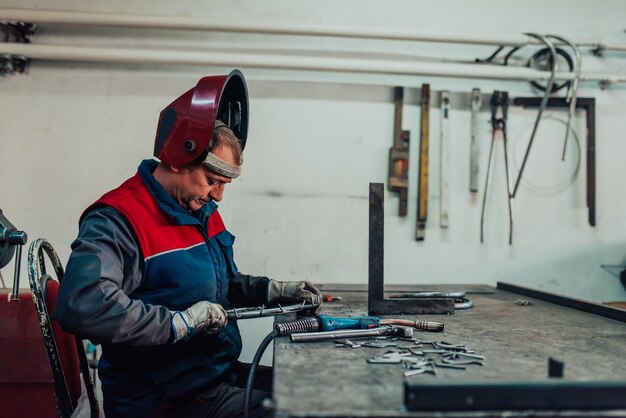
321, 380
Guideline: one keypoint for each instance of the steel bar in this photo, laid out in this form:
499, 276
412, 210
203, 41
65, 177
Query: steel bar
578, 304
557, 395
422, 191
444, 160
376, 256
475, 103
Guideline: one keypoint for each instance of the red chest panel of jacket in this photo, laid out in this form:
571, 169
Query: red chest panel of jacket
156, 232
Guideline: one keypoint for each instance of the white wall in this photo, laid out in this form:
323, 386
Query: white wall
70, 132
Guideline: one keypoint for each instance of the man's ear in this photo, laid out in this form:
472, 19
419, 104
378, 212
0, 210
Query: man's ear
174, 169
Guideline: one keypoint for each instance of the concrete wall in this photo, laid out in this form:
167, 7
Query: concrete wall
70, 132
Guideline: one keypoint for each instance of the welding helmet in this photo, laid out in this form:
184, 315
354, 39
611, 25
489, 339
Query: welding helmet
186, 126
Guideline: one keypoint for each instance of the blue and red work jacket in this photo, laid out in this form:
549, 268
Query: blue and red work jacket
139, 256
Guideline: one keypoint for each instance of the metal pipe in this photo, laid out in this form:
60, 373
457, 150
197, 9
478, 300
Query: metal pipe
262, 311
542, 107
371, 66
572, 93
349, 333
275, 28
16, 275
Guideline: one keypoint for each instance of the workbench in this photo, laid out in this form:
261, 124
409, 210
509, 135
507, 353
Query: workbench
319, 379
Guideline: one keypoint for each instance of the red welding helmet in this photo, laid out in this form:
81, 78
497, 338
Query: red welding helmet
186, 125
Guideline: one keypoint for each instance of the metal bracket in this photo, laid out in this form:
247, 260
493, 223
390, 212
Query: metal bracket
18, 31
589, 105
377, 303
11, 242
598, 50
15, 32
11, 64
604, 84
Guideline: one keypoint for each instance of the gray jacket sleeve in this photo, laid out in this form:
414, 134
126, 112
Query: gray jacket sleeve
105, 266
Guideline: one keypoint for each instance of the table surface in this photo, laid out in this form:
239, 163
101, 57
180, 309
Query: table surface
319, 379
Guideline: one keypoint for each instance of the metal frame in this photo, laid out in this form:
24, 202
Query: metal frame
37, 278
376, 302
588, 104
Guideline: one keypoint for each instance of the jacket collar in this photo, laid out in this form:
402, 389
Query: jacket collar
167, 202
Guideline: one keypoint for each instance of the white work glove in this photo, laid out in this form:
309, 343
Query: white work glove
201, 318
293, 292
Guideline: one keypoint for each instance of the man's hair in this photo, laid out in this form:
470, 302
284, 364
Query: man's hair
222, 136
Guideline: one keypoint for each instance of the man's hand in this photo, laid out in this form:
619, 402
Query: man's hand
289, 292
202, 318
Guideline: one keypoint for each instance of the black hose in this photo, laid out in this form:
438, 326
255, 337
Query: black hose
253, 366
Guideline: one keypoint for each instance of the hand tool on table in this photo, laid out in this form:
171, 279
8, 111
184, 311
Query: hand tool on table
422, 191
399, 155
352, 333
444, 160
325, 323
320, 324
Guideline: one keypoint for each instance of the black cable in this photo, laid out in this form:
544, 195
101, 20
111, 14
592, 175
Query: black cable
510, 54
490, 57
255, 362
551, 61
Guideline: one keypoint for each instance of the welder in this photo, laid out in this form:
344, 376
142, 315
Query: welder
152, 272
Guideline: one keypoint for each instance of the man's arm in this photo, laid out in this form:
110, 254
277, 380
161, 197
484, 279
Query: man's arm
104, 267
245, 290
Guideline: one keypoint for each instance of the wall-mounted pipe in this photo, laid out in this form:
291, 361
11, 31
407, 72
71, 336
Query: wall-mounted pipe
276, 28
291, 62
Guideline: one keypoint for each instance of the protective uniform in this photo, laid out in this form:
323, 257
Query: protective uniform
141, 263
138, 256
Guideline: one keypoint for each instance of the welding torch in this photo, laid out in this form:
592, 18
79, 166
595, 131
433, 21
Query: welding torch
323, 323
318, 327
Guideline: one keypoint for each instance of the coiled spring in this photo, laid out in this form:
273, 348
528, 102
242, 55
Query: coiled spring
309, 324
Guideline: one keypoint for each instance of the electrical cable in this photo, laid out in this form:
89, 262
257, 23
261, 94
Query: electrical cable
542, 61
491, 57
255, 362
548, 190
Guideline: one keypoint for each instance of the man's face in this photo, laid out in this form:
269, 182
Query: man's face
199, 185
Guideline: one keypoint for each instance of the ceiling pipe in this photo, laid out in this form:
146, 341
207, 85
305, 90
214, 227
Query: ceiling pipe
276, 28
352, 65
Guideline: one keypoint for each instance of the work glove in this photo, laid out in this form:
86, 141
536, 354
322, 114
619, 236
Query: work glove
293, 292
201, 318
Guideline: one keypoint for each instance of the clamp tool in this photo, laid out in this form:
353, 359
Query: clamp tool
499, 110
